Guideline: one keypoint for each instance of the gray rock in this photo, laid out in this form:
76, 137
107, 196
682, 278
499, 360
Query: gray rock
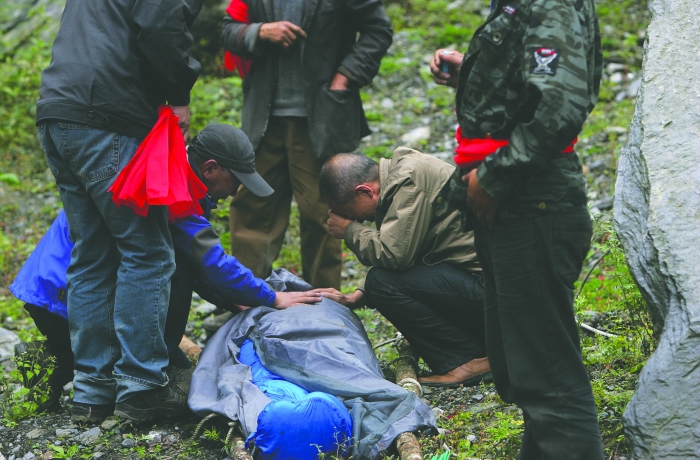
89, 437
109, 424
657, 220
36, 433
414, 136
65, 432
29, 456
128, 442
387, 103
205, 309
8, 340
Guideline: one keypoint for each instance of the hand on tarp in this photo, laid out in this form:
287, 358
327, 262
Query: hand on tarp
159, 174
291, 299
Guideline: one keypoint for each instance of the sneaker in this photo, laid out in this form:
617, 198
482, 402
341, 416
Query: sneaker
167, 402
90, 413
468, 374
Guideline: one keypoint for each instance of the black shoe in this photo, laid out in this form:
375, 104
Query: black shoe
180, 379
167, 402
90, 413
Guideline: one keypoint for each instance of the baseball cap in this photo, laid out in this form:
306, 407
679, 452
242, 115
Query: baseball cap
231, 149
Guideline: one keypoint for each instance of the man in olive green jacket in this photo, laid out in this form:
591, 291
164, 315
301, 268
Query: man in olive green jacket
425, 277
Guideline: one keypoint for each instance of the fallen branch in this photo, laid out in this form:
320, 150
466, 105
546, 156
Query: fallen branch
597, 331
406, 366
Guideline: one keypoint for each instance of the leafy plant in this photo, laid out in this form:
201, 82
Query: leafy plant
17, 401
212, 434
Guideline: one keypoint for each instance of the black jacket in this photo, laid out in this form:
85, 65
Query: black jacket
336, 119
115, 61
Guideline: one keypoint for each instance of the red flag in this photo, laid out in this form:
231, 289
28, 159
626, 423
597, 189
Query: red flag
238, 10
159, 173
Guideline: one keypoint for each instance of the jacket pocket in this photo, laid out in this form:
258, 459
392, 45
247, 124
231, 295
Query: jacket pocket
336, 124
498, 56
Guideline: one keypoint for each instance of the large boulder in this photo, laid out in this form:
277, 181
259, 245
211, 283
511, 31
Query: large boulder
657, 217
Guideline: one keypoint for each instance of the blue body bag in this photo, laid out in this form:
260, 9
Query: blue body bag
296, 424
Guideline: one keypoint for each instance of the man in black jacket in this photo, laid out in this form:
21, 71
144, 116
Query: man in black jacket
113, 64
301, 106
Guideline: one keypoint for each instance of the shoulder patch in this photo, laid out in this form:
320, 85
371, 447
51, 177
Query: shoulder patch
544, 61
510, 10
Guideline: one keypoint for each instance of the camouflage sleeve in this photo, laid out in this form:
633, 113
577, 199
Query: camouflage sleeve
556, 98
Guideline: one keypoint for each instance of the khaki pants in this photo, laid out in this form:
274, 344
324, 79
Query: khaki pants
285, 161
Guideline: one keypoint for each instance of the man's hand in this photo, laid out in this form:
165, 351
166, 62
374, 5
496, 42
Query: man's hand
340, 82
183, 119
482, 204
453, 59
337, 224
290, 299
352, 301
282, 33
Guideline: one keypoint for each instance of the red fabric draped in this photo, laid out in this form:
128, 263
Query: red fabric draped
238, 10
159, 174
471, 152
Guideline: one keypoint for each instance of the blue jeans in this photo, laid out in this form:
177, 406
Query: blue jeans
119, 275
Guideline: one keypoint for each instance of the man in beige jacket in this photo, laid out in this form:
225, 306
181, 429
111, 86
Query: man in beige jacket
425, 277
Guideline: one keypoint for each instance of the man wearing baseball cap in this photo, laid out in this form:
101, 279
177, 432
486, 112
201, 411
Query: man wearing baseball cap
230, 148
223, 158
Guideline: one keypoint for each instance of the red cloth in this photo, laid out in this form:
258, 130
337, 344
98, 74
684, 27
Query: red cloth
159, 174
471, 152
238, 10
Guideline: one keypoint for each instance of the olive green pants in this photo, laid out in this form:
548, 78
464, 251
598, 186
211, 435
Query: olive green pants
258, 225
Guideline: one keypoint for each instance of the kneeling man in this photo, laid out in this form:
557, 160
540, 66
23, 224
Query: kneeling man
425, 277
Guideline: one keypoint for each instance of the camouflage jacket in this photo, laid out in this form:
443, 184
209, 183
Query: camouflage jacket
531, 75
414, 223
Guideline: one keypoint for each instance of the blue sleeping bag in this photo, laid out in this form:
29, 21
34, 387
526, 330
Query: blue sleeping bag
296, 425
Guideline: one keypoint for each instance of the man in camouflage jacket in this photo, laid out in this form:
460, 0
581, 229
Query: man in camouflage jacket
531, 77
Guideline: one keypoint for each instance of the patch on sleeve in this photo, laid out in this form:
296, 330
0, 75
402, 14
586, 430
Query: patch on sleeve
544, 61
509, 10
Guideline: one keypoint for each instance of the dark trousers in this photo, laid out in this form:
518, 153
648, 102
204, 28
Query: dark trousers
284, 159
438, 308
530, 266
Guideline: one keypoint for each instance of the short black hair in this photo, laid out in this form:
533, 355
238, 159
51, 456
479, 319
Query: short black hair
343, 172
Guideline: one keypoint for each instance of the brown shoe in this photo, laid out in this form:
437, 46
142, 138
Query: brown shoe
468, 374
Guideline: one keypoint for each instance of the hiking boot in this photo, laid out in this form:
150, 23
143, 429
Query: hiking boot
90, 413
180, 379
167, 402
214, 323
472, 373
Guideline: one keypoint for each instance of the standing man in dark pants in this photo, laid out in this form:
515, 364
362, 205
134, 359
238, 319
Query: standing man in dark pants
301, 106
425, 278
530, 78
113, 63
